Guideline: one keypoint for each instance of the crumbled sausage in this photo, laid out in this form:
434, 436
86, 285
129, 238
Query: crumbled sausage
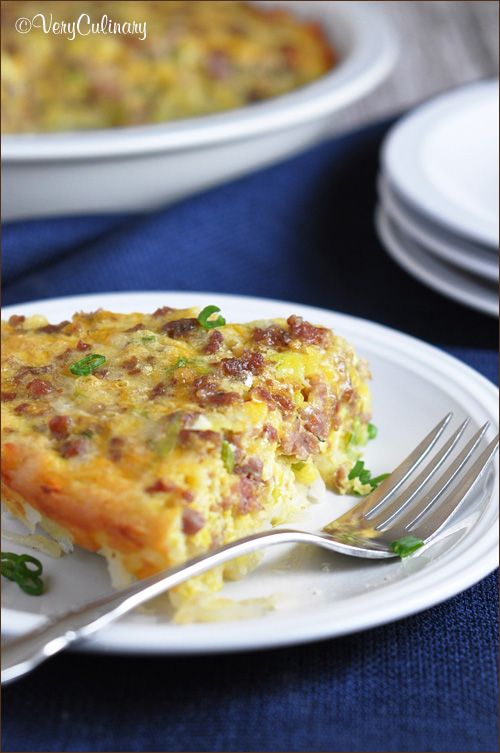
158, 390
214, 342
273, 336
163, 310
39, 387
270, 433
306, 332
59, 426
250, 361
180, 328
50, 329
161, 486
192, 521
208, 392
8, 396
16, 320
115, 448
73, 447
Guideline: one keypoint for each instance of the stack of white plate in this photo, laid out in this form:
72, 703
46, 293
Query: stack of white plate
438, 195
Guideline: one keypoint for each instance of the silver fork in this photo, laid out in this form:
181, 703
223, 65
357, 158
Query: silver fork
406, 503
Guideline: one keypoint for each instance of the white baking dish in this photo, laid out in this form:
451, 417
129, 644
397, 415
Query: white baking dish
138, 168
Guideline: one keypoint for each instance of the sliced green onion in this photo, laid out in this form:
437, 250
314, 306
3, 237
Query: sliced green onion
87, 365
31, 584
378, 480
148, 338
15, 568
365, 476
25, 559
8, 565
227, 455
206, 323
356, 470
179, 364
87, 433
167, 443
298, 466
405, 546
372, 431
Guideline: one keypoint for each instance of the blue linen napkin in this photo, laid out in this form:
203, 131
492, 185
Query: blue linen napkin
302, 231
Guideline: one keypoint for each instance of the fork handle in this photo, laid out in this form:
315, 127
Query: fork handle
23, 654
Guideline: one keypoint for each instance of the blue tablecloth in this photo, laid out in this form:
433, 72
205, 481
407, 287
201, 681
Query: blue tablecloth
303, 231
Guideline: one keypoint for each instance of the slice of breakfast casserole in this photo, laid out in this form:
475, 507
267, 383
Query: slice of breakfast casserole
151, 438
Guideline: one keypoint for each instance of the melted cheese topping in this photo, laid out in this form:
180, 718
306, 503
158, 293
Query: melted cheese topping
183, 438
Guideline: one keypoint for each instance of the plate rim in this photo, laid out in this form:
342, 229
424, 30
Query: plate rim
419, 121
480, 262
412, 262
475, 562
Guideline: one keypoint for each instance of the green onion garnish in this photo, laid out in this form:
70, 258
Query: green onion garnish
15, 568
167, 443
206, 323
227, 455
405, 545
356, 470
87, 365
378, 479
148, 338
179, 364
365, 476
372, 431
298, 466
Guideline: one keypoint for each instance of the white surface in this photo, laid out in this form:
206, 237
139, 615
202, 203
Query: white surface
462, 287
443, 159
121, 169
453, 249
319, 595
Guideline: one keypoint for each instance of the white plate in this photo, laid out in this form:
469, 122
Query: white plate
443, 159
454, 283
455, 250
137, 168
321, 595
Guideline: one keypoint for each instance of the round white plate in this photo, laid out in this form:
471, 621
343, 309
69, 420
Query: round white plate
453, 249
443, 159
318, 595
452, 282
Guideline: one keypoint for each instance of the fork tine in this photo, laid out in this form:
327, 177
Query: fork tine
379, 496
394, 509
411, 516
435, 521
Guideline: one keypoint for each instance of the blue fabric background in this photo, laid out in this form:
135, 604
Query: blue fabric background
302, 231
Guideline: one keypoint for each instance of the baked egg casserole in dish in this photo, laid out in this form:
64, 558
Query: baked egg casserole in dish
183, 58
153, 438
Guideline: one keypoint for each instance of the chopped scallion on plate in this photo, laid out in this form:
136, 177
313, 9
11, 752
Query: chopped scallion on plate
406, 545
15, 568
